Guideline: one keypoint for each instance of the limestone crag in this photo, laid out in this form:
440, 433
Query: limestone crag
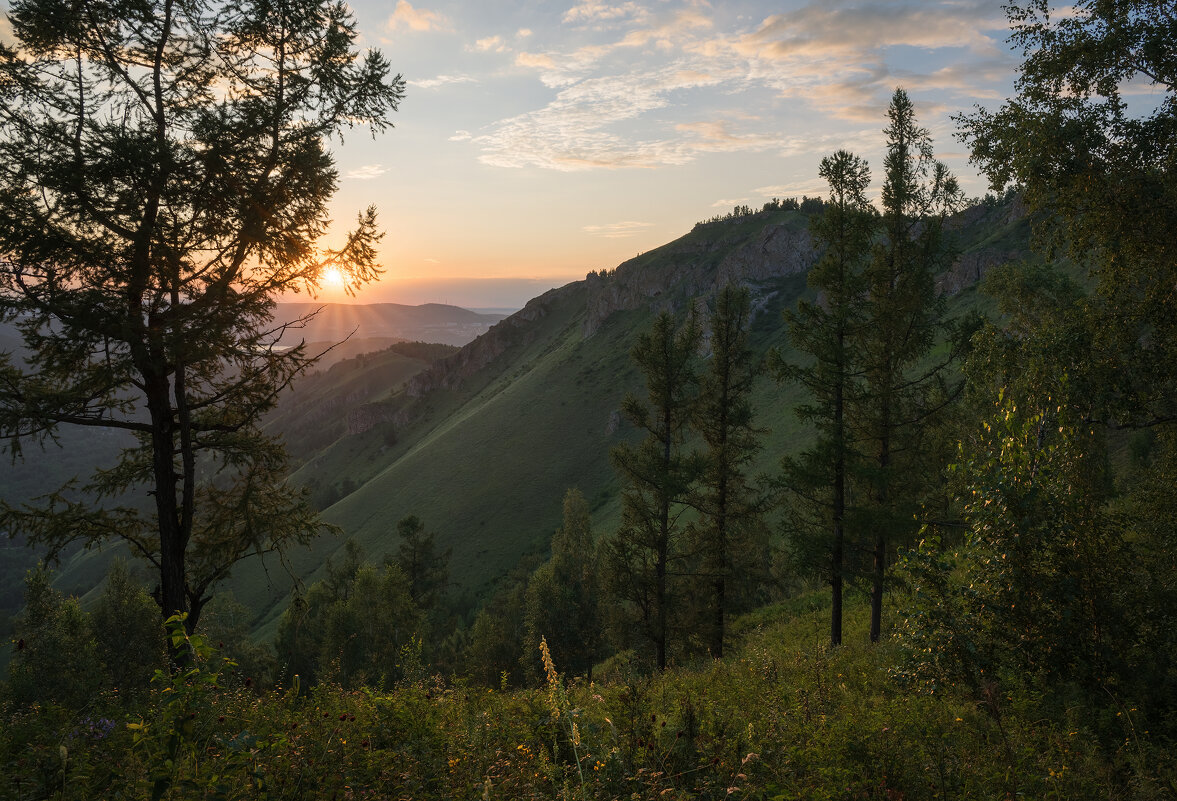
449, 372
695, 266
777, 251
750, 250
971, 268
367, 416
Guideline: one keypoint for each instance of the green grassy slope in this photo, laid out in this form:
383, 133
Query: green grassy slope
309, 418
486, 463
314, 414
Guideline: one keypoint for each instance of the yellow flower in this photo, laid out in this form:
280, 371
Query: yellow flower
552, 676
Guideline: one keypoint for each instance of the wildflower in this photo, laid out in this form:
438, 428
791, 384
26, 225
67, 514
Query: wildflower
552, 676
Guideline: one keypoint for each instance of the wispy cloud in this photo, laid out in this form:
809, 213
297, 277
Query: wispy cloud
441, 80
617, 100
596, 12
535, 60
416, 19
461, 136
490, 44
836, 56
367, 172
815, 187
617, 230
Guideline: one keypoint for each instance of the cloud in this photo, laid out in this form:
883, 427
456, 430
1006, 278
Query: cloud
461, 136
535, 60
826, 29
367, 172
617, 230
491, 44
619, 101
442, 80
838, 56
662, 39
595, 12
814, 187
416, 19
523, 33
727, 203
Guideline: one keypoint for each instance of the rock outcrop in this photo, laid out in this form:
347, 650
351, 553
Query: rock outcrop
971, 268
696, 265
367, 416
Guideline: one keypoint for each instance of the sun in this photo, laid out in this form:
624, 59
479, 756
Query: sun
333, 277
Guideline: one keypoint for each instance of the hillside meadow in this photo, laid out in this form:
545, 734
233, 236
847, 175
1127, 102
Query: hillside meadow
784, 717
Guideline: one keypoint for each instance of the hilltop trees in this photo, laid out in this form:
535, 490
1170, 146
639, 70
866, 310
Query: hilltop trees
164, 176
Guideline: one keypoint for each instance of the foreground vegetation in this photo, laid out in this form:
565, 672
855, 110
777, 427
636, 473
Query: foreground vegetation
782, 717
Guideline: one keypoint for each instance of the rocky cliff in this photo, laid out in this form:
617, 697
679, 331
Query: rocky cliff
699, 264
749, 250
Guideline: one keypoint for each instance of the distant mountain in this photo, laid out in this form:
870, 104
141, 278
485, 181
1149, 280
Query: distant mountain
335, 322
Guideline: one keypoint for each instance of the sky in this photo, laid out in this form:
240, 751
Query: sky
541, 139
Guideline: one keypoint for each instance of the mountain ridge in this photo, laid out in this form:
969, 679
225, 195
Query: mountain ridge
547, 382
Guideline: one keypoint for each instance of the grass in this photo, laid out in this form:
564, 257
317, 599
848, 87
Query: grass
782, 718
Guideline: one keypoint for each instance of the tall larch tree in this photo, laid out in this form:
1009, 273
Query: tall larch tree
646, 555
164, 176
826, 330
729, 501
903, 318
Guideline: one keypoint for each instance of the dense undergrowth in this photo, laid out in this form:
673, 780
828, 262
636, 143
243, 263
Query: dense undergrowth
783, 717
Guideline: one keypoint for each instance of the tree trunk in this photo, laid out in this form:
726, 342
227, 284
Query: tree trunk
880, 554
839, 501
173, 599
